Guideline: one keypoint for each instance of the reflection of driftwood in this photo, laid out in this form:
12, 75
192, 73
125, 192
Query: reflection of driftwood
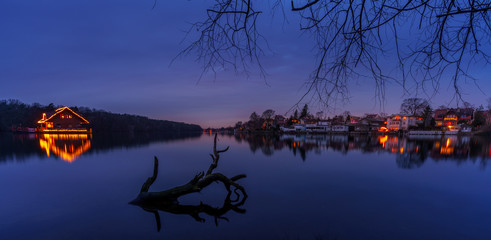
167, 200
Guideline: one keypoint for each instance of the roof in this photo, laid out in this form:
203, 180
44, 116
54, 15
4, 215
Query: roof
59, 110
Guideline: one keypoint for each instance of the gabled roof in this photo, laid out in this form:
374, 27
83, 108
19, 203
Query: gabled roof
59, 110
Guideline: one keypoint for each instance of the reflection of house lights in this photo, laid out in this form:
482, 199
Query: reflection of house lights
401, 150
447, 149
68, 152
383, 140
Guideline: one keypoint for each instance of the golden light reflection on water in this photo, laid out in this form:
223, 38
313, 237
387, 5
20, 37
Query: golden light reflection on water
444, 147
66, 146
448, 148
382, 140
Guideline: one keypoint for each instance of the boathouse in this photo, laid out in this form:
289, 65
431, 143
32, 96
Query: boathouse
63, 120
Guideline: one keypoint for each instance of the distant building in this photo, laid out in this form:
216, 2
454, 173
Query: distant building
279, 121
63, 120
354, 120
402, 122
451, 116
340, 128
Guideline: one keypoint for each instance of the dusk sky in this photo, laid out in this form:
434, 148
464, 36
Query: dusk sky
116, 55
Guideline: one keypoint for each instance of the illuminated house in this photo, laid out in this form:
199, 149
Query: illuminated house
402, 122
64, 120
450, 117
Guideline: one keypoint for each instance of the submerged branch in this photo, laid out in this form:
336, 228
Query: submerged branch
167, 200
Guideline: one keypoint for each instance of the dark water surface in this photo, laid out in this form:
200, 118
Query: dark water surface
299, 187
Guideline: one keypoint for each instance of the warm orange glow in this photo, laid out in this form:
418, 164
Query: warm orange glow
404, 117
450, 119
383, 140
67, 146
401, 150
446, 150
417, 148
383, 129
64, 130
60, 110
66, 136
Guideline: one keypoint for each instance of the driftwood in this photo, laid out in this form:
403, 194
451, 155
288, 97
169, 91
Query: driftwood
167, 200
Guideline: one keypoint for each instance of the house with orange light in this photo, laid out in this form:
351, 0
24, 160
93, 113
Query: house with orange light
450, 117
63, 120
402, 122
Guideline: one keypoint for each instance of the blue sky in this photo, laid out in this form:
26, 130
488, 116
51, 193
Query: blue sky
116, 55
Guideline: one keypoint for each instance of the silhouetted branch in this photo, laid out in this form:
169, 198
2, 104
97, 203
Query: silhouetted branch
151, 179
353, 38
167, 200
304, 6
215, 157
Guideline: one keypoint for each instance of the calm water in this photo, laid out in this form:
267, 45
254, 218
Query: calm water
321, 187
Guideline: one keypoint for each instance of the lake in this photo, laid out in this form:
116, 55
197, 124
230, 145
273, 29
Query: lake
298, 187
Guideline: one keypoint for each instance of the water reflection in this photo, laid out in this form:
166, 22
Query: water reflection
410, 152
68, 147
168, 200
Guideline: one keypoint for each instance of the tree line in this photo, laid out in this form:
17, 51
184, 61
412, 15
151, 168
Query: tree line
16, 113
411, 106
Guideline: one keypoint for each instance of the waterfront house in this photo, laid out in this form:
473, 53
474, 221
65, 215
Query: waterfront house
362, 127
450, 116
340, 128
279, 121
354, 120
63, 120
402, 122
300, 128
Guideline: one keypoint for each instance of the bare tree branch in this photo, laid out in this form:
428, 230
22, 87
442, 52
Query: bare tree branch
353, 39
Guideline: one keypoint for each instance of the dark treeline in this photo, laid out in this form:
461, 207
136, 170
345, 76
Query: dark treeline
16, 113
